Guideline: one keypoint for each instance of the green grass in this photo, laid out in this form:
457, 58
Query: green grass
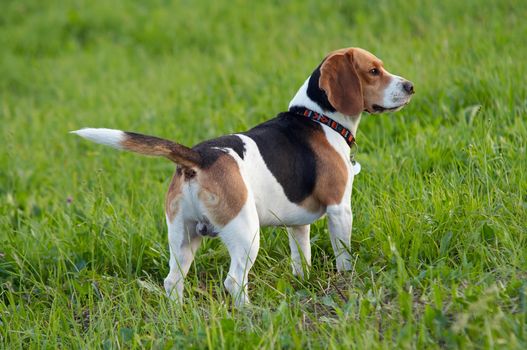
440, 207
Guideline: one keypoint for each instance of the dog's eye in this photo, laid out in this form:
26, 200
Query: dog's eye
374, 71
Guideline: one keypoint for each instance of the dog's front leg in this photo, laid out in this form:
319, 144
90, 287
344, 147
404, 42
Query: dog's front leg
340, 221
183, 242
300, 249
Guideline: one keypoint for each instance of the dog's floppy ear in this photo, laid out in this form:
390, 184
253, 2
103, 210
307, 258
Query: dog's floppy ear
340, 81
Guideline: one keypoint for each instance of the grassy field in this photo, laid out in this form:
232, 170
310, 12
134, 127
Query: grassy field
440, 207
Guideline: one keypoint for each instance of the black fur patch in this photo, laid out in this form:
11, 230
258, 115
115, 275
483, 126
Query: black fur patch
315, 93
209, 153
283, 144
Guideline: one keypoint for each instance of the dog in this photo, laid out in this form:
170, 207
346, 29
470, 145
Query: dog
290, 171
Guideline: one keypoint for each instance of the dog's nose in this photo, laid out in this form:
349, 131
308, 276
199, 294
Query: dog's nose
408, 87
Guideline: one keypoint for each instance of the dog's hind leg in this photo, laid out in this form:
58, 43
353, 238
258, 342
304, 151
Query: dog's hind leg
242, 238
300, 248
183, 242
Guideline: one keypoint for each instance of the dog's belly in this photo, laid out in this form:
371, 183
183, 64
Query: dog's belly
286, 215
272, 205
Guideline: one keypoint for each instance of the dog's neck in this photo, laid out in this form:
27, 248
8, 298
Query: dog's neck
312, 97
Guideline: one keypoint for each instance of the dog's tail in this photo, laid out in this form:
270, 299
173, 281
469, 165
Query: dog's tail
144, 144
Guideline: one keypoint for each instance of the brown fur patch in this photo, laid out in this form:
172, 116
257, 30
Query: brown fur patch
373, 86
332, 172
174, 195
222, 190
155, 146
332, 175
341, 83
345, 77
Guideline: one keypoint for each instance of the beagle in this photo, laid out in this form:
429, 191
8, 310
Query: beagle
290, 170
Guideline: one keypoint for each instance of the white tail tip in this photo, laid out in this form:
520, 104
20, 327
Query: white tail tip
108, 137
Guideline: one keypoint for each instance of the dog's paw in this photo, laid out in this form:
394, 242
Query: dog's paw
344, 264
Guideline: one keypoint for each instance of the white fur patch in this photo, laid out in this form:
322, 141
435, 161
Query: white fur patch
108, 137
301, 99
394, 95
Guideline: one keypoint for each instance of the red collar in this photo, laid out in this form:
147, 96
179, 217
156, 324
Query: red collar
324, 119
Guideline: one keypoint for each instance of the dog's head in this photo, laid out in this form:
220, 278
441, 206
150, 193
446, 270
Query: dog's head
354, 80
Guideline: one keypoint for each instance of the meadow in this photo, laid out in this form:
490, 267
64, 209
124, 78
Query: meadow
440, 207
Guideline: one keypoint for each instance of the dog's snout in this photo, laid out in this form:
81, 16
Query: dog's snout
408, 87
